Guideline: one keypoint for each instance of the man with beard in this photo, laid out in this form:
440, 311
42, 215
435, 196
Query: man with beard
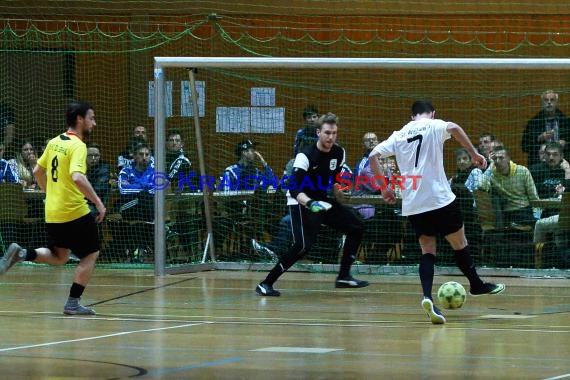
61, 173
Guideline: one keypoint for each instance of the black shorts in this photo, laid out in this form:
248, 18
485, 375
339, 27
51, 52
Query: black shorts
79, 235
443, 221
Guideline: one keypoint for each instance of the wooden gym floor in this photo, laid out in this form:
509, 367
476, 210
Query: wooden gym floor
211, 325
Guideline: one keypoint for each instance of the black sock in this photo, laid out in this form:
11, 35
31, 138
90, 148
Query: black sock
76, 290
426, 270
465, 263
31, 254
345, 264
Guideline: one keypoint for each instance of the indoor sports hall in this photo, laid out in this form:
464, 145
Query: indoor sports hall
206, 110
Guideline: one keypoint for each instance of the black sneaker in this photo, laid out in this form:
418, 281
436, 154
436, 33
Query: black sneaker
266, 290
487, 288
435, 315
350, 282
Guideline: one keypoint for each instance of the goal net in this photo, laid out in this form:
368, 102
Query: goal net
263, 103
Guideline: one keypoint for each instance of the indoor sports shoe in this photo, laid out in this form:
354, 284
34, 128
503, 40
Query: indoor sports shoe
14, 254
487, 288
73, 307
266, 290
263, 250
350, 282
435, 316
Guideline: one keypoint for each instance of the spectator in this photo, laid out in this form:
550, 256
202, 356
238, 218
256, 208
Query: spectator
125, 158
7, 129
136, 186
466, 175
549, 125
6, 172
176, 162
24, 164
486, 142
244, 175
512, 186
307, 135
98, 174
362, 168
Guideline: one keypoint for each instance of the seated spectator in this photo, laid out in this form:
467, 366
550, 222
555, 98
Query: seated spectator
459, 185
466, 175
552, 175
98, 174
307, 135
244, 175
176, 161
512, 187
125, 158
362, 168
6, 173
136, 186
549, 125
24, 164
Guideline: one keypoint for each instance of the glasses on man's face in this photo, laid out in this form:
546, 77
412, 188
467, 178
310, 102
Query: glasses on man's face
93, 155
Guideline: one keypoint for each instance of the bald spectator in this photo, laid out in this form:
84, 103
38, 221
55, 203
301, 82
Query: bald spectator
549, 125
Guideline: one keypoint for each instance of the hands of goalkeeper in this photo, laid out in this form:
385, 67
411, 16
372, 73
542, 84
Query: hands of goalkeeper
318, 206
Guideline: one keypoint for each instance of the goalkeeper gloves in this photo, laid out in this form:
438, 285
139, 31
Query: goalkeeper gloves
318, 206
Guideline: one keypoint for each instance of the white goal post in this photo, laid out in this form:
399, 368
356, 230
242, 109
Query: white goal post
192, 63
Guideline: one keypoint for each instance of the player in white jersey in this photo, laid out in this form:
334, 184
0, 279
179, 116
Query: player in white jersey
430, 205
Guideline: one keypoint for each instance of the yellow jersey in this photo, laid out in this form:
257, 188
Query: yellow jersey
64, 155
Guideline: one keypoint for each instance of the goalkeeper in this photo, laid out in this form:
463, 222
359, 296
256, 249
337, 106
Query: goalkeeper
315, 171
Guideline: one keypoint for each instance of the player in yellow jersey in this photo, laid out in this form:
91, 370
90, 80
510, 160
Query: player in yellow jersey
60, 173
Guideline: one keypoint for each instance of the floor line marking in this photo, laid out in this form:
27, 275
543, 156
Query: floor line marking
142, 291
566, 375
48, 344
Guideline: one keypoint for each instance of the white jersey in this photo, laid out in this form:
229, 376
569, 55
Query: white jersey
418, 147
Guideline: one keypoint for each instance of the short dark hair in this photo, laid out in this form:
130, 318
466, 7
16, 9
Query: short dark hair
492, 136
171, 132
554, 145
498, 148
93, 145
327, 118
74, 110
421, 106
142, 145
310, 110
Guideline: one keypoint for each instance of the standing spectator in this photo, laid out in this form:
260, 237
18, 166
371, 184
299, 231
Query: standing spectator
98, 174
308, 134
176, 161
362, 168
550, 124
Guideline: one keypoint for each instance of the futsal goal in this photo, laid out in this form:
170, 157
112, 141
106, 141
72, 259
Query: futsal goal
225, 104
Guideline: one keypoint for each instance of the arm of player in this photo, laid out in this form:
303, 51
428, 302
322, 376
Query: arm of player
85, 187
459, 134
388, 194
41, 178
